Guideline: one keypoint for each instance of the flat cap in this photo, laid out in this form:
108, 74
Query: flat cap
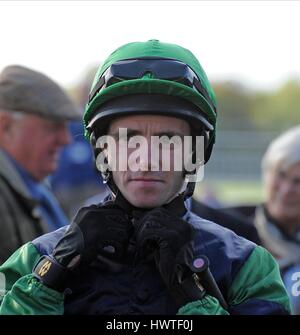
29, 91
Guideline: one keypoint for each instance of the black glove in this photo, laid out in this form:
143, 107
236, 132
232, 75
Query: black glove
95, 230
170, 239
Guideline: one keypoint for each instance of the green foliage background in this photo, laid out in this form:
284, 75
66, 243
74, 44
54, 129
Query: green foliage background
241, 108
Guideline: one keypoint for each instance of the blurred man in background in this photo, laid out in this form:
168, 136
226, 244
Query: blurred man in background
33, 115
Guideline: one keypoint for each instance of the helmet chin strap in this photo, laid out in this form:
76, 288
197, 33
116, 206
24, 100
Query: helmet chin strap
186, 191
189, 191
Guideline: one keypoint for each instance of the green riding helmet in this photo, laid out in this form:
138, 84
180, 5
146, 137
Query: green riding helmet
139, 69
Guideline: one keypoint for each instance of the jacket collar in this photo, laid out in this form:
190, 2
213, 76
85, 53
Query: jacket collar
283, 248
13, 178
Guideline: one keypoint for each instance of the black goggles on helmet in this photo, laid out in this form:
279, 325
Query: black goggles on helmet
161, 68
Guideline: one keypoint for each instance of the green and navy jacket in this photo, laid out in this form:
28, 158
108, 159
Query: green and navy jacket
247, 275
